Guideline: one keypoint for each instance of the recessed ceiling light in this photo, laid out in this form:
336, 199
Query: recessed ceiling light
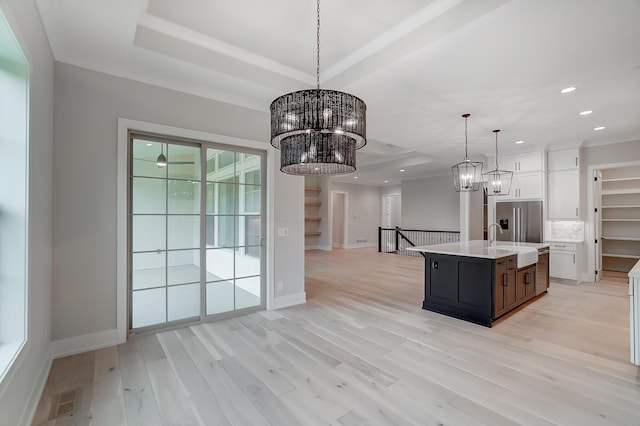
568, 89
355, 177
519, 142
386, 181
587, 112
401, 170
149, 144
599, 128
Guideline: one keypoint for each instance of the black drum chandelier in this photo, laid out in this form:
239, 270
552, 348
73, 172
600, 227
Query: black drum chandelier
318, 131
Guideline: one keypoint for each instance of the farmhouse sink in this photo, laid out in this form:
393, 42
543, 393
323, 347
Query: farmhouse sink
526, 255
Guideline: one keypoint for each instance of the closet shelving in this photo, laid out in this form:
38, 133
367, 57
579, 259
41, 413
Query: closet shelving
620, 218
311, 217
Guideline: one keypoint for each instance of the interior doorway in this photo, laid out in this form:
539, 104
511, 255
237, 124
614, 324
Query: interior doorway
338, 220
616, 218
391, 210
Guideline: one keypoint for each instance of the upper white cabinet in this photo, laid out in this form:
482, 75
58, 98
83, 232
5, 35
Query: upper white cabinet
528, 162
527, 175
525, 186
563, 159
564, 194
563, 184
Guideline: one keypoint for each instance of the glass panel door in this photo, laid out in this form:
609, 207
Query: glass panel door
195, 250
234, 231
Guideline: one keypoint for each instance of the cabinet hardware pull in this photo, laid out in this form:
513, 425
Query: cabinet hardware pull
505, 279
527, 278
576, 212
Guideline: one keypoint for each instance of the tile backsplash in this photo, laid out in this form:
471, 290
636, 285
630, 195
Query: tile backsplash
566, 230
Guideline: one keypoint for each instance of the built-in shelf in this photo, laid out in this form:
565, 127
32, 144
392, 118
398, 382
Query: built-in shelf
624, 256
620, 191
312, 203
621, 238
621, 211
621, 179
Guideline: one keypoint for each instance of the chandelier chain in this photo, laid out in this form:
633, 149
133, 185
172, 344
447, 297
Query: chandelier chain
466, 154
318, 45
496, 132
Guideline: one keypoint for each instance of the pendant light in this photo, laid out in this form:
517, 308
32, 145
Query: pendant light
318, 131
467, 175
498, 181
161, 161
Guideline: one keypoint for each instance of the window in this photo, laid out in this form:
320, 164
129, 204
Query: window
13, 204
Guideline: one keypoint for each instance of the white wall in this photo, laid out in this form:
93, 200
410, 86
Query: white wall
289, 250
20, 390
430, 204
88, 105
363, 212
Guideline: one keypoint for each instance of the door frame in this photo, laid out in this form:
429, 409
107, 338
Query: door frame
345, 238
384, 198
124, 127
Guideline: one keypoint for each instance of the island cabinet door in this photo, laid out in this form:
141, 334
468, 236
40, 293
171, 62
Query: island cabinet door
525, 284
510, 293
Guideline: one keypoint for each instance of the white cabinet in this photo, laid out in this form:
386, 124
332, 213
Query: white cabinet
563, 184
528, 162
563, 159
525, 186
527, 175
563, 189
562, 261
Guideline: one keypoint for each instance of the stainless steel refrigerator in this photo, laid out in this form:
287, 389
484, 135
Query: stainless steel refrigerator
521, 221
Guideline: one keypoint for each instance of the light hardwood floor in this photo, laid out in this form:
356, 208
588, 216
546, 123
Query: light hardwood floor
362, 351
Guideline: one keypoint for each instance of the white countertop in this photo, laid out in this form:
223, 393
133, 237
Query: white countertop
564, 241
480, 248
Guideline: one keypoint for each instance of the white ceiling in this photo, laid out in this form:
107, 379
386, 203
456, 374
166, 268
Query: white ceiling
418, 64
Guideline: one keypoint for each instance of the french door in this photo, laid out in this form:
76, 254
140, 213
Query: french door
195, 231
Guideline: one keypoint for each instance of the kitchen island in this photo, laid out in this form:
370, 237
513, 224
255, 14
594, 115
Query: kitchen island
477, 282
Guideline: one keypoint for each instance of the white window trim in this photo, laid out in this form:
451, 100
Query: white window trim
124, 126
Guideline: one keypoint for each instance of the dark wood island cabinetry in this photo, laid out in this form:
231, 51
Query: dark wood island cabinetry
476, 289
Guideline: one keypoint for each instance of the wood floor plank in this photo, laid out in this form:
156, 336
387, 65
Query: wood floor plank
236, 406
173, 402
140, 402
108, 407
206, 405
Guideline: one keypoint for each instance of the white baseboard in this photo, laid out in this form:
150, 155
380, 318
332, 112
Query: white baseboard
289, 300
84, 343
36, 392
362, 245
326, 248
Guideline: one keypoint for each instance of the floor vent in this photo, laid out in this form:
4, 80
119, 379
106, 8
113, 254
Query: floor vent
65, 404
